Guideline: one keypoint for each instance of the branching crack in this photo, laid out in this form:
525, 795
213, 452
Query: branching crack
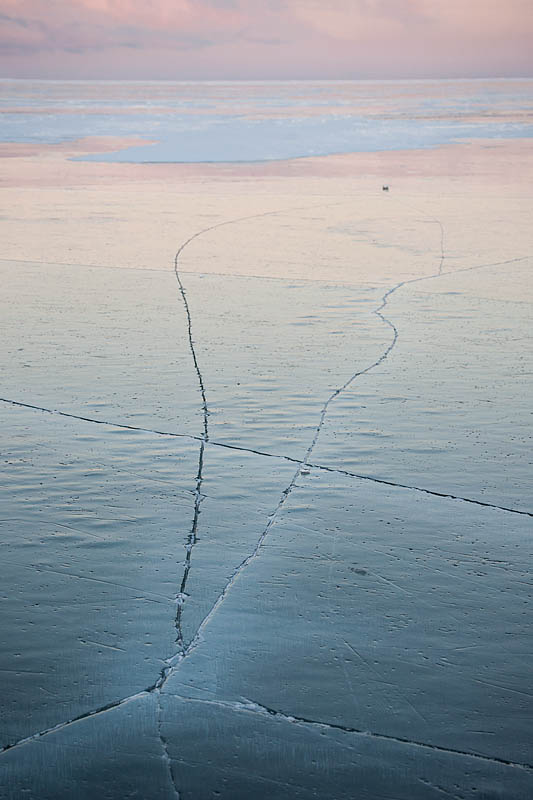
172, 663
287, 491
183, 650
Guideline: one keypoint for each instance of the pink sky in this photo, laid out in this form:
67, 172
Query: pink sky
182, 39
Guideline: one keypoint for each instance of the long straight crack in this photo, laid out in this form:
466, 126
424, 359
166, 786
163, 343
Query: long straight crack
253, 707
265, 454
432, 492
85, 715
97, 421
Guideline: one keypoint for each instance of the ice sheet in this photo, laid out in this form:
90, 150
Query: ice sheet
265, 519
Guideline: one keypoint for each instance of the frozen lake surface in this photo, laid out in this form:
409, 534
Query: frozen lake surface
244, 122
266, 518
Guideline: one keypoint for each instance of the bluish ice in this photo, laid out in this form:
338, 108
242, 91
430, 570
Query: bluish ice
264, 538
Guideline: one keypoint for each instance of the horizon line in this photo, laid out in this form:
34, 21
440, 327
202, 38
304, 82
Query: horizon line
272, 80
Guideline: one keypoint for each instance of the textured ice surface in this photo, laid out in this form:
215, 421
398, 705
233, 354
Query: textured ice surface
271, 351
112, 758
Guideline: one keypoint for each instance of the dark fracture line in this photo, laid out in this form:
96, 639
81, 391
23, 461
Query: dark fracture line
97, 421
193, 535
432, 492
191, 541
166, 755
253, 707
264, 454
85, 715
191, 342
401, 740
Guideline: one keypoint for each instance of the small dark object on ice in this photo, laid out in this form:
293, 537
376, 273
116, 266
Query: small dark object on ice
385, 188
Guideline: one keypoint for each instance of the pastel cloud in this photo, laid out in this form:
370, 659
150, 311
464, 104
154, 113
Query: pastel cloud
265, 38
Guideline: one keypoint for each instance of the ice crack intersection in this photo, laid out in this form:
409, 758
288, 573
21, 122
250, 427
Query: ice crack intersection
312, 465
172, 663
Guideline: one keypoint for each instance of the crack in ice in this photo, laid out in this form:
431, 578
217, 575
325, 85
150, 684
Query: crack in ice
173, 662
291, 459
166, 756
253, 707
193, 535
85, 715
191, 541
97, 421
287, 491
